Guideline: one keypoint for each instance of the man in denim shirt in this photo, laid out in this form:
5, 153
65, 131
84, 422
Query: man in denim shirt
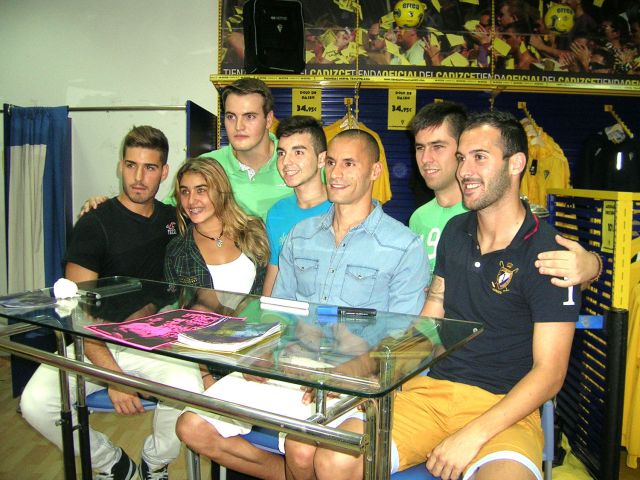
355, 254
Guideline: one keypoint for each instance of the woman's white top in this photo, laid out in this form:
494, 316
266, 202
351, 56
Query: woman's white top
235, 276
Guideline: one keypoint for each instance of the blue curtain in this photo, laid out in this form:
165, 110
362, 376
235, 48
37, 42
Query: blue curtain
50, 127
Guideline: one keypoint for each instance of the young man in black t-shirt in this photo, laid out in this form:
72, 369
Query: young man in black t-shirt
127, 235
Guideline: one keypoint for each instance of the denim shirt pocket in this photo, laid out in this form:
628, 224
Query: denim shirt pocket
358, 285
306, 275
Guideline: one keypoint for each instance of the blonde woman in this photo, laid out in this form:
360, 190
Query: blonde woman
219, 245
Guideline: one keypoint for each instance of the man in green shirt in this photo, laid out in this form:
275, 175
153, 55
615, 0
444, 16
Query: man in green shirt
250, 159
436, 128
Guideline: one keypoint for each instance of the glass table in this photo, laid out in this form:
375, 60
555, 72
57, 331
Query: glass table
362, 358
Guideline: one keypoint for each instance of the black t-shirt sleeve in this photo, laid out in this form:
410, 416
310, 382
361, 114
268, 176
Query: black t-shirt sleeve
88, 243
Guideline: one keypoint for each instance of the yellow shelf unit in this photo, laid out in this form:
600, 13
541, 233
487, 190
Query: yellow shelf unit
589, 406
609, 223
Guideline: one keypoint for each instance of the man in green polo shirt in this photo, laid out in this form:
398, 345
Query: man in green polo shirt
250, 158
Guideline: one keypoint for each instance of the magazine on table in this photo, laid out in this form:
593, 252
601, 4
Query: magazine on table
35, 298
157, 330
228, 335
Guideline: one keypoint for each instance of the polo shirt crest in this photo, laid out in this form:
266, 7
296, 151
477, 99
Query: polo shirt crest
504, 277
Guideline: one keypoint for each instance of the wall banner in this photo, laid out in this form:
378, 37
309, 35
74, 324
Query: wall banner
530, 43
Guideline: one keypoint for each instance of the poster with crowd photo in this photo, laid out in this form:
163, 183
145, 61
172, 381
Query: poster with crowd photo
528, 42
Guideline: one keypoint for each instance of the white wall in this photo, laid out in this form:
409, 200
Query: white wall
86, 53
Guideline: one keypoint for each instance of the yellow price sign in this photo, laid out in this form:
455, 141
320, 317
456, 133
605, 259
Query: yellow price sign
608, 226
401, 109
306, 101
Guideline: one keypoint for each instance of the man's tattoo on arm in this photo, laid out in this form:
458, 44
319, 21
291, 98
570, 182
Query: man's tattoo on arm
436, 291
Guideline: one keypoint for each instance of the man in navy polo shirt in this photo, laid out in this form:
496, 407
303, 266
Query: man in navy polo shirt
476, 413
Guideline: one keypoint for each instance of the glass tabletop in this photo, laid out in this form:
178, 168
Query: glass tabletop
367, 356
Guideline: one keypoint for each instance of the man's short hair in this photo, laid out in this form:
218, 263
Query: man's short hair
247, 86
512, 133
370, 143
304, 124
147, 137
436, 114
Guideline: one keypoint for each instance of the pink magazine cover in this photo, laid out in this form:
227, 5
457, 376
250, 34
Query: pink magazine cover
157, 330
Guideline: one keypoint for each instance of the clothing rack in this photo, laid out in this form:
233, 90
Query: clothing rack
114, 108
609, 108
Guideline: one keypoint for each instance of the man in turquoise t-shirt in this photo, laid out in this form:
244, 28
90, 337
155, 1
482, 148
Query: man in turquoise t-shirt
302, 149
436, 129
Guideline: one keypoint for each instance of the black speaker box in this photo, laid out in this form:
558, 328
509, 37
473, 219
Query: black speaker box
273, 36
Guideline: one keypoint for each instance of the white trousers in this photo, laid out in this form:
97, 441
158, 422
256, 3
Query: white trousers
41, 404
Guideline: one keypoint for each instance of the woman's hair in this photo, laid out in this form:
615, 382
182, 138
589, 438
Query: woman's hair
246, 231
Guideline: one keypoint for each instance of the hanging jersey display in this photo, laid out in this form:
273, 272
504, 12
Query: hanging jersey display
547, 167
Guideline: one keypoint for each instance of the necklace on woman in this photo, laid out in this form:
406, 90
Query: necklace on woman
217, 240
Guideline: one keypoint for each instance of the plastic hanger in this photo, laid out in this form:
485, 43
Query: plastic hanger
609, 108
530, 124
349, 120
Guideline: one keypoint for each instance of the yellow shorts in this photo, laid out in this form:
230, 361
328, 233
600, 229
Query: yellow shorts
428, 410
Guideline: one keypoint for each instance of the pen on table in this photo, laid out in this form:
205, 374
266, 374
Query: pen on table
283, 302
281, 308
346, 311
89, 294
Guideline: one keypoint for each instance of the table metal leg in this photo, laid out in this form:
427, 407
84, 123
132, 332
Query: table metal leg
193, 465
383, 447
66, 423
83, 415
377, 453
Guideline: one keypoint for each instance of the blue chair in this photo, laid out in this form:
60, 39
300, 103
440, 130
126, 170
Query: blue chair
100, 402
417, 472
263, 438
548, 427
